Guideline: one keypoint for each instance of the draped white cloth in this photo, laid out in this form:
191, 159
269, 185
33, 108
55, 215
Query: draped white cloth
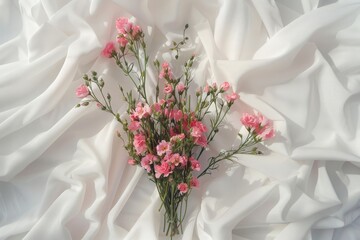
64, 173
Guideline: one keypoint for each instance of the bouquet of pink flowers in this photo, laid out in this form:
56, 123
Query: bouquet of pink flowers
168, 136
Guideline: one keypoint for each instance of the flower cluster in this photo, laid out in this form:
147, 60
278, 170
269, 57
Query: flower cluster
167, 136
260, 125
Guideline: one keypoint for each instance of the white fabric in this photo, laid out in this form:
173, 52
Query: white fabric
63, 171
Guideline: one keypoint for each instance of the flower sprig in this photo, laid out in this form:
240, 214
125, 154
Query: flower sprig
167, 136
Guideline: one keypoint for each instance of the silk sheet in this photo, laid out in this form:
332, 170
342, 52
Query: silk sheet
63, 172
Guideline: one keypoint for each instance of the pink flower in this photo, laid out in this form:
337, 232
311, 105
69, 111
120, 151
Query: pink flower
232, 97
162, 102
262, 120
142, 110
267, 133
131, 162
134, 125
156, 107
165, 65
201, 141
183, 188
166, 112
180, 87
176, 159
264, 128
163, 169
249, 120
194, 182
214, 86
196, 132
123, 25
139, 143
199, 125
136, 30
206, 89
168, 89
122, 41
147, 161
163, 148
108, 50
166, 71
176, 138
177, 115
82, 91
195, 164
224, 86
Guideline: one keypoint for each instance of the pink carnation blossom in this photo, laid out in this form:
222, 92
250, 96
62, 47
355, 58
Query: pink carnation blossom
134, 125
180, 87
139, 143
162, 169
206, 88
142, 110
264, 128
156, 107
136, 30
177, 115
165, 71
196, 132
183, 188
82, 91
195, 164
231, 97
201, 141
214, 86
131, 162
166, 112
165, 65
249, 120
162, 102
123, 25
163, 148
177, 159
108, 50
122, 41
259, 123
199, 125
224, 86
176, 138
194, 182
267, 133
147, 161
168, 88
262, 120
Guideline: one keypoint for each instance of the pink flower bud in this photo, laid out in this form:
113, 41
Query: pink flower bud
214, 86
180, 87
108, 50
123, 25
231, 97
131, 162
183, 188
122, 41
225, 86
206, 89
136, 30
168, 89
249, 120
194, 182
82, 91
